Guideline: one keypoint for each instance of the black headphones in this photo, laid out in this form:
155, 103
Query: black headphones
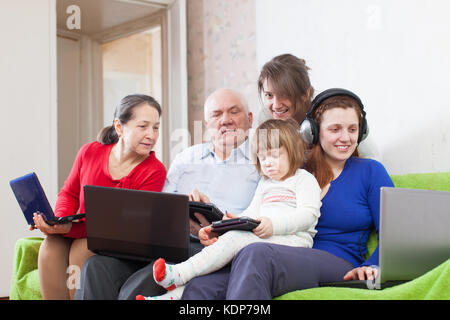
309, 128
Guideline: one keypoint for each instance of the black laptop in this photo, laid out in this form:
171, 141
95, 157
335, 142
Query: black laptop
137, 225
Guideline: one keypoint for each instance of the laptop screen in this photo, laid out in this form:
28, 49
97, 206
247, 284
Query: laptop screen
414, 232
137, 223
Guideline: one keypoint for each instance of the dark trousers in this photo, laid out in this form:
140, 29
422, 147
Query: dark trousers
262, 271
108, 278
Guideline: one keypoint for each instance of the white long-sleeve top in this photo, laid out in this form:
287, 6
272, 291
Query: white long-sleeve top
293, 205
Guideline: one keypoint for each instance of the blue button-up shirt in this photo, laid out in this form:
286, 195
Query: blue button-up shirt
230, 184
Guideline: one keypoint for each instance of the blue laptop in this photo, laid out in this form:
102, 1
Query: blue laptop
31, 197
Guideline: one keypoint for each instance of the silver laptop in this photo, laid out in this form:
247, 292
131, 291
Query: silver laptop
414, 232
137, 225
414, 236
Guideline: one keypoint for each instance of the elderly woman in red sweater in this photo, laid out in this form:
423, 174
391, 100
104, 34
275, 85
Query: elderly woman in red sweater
121, 158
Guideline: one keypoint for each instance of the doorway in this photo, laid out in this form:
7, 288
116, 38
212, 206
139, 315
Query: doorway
132, 64
117, 47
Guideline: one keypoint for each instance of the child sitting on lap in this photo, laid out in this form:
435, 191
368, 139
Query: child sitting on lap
286, 202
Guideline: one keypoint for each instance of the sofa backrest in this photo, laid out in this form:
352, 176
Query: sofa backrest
427, 181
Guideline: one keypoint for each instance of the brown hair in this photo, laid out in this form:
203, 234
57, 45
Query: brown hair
276, 133
288, 75
124, 112
316, 163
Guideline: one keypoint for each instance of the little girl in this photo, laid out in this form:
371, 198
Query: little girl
286, 202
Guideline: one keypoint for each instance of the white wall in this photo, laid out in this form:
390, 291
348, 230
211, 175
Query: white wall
393, 54
28, 108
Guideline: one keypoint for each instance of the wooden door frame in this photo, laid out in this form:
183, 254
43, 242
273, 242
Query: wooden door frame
172, 21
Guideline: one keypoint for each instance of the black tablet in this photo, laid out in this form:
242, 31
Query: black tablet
209, 210
241, 223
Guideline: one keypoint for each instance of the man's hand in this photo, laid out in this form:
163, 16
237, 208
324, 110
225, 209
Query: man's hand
265, 228
198, 196
194, 227
206, 236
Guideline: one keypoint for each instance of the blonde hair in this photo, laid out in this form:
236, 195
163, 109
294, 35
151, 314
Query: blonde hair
276, 133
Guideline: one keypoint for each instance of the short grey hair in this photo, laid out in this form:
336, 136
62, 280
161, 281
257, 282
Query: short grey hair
208, 100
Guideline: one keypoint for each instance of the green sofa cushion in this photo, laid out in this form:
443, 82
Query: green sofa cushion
431, 286
25, 279
427, 181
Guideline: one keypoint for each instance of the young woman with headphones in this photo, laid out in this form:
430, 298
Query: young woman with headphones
334, 126
286, 93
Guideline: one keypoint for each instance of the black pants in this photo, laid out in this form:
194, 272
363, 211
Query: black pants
108, 278
262, 271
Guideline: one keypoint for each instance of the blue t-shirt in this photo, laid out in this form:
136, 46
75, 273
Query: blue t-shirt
199, 167
351, 209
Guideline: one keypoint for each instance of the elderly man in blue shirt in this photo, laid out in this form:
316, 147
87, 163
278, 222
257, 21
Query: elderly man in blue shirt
201, 171
204, 169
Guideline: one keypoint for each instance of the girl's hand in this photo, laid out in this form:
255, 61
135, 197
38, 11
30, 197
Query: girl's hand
194, 227
362, 273
265, 229
39, 223
206, 236
228, 215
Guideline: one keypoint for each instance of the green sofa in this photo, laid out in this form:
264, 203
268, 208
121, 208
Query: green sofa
25, 278
432, 285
